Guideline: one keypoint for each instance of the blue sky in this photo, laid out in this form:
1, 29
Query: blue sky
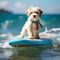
20, 6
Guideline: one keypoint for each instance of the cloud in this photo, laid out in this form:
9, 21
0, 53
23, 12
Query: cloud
55, 10
3, 3
16, 7
20, 5
6, 24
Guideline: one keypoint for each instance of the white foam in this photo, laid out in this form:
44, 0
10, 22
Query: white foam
46, 34
54, 29
54, 36
6, 45
6, 24
9, 35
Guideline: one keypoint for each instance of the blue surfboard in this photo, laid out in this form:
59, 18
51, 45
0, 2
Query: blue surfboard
29, 42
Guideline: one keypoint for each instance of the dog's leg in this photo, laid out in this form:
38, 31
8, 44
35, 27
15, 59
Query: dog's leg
36, 34
37, 37
30, 33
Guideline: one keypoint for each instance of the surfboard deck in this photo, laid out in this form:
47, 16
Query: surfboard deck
29, 42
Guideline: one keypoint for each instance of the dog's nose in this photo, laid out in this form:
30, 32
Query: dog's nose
34, 16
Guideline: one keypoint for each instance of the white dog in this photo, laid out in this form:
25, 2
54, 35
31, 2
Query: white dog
32, 26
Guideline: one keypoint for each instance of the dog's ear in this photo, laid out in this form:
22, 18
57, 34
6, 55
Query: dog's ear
40, 12
28, 11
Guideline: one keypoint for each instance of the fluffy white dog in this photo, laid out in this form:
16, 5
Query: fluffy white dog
32, 26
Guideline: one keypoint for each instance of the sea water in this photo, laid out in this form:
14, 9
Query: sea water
10, 27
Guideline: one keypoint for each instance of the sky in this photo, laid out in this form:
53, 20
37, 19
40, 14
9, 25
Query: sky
20, 6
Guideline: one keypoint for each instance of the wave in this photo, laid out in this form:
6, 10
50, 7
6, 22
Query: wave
53, 34
46, 34
54, 29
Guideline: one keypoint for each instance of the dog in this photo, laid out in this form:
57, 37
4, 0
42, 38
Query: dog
33, 24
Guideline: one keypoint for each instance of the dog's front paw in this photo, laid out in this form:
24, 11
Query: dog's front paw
31, 37
37, 37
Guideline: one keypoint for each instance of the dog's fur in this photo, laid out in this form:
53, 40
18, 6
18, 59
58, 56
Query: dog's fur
32, 28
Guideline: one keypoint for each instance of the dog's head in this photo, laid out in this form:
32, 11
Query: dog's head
34, 13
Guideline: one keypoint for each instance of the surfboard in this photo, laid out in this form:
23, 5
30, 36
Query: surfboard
29, 42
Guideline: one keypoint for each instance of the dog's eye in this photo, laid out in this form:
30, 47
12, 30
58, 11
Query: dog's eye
36, 12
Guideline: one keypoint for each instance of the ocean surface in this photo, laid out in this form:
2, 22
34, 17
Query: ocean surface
11, 26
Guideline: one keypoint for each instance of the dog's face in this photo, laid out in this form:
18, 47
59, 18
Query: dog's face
34, 13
